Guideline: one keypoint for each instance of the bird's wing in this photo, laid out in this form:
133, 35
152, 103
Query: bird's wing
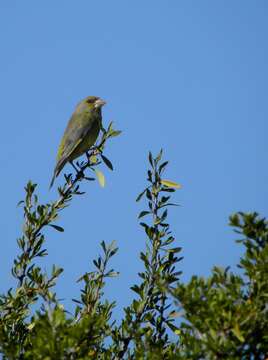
77, 128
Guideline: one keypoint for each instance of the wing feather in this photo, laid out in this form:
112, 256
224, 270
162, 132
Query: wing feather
78, 127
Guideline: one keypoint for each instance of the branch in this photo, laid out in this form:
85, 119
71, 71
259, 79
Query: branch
159, 261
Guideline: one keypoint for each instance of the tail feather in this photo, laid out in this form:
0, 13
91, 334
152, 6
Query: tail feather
53, 179
57, 170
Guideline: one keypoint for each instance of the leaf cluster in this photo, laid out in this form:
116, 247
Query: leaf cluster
224, 316
227, 313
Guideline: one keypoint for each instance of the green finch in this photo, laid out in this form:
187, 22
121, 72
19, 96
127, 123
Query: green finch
81, 132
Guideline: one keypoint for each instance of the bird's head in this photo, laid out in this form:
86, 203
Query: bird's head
91, 104
94, 102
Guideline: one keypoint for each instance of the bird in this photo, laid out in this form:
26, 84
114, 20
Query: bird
81, 132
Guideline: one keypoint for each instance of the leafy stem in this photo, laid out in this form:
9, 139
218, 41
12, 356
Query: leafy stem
147, 315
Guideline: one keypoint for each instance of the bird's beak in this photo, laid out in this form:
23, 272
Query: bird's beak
99, 103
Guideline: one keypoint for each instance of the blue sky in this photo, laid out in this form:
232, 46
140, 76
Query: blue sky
188, 76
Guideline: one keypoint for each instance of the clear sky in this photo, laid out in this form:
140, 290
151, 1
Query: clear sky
188, 76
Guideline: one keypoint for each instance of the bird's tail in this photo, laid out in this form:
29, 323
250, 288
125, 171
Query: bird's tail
57, 170
53, 179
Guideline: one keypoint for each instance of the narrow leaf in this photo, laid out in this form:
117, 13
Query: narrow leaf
237, 333
76, 301
168, 204
143, 213
100, 177
159, 156
113, 274
151, 159
162, 166
107, 162
115, 133
58, 228
174, 250
20, 202
140, 195
171, 184
110, 127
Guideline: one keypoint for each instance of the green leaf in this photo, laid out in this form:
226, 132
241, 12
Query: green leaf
20, 202
77, 301
96, 263
103, 245
115, 133
57, 272
151, 158
42, 253
31, 326
136, 289
159, 156
112, 273
171, 184
174, 250
157, 221
237, 333
168, 204
58, 228
112, 245
173, 327
149, 194
143, 213
100, 177
140, 195
107, 162
110, 127
162, 166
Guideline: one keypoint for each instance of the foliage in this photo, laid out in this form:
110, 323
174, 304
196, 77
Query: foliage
143, 331
224, 316
227, 314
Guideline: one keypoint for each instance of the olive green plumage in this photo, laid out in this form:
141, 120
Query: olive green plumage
81, 132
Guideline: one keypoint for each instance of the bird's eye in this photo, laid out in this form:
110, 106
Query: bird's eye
91, 100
